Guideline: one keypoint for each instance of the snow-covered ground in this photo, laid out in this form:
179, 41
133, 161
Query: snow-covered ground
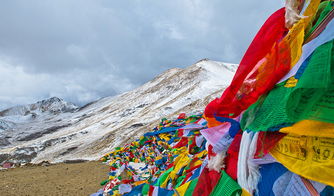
55, 130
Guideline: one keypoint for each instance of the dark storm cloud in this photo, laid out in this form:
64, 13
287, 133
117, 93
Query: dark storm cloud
81, 50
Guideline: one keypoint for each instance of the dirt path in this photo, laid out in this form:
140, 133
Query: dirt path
60, 179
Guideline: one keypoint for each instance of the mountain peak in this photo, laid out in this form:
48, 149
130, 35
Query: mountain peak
53, 105
51, 99
213, 66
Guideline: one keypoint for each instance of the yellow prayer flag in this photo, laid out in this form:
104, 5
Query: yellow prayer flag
308, 156
311, 128
181, 190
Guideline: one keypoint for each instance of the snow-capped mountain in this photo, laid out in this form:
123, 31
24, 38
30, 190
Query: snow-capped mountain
53, 105
55, 130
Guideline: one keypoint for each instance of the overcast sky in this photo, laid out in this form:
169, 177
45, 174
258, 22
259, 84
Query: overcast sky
82, 50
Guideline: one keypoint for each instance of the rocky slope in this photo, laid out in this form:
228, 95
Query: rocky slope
54, 130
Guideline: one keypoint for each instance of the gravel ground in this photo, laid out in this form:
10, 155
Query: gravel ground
59, 179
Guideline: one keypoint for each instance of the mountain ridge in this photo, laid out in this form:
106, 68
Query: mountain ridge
90, 131
52, 105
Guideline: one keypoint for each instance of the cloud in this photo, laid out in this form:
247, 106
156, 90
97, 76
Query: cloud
79, 86
81, 50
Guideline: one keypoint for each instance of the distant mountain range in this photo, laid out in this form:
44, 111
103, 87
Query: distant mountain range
55, 130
